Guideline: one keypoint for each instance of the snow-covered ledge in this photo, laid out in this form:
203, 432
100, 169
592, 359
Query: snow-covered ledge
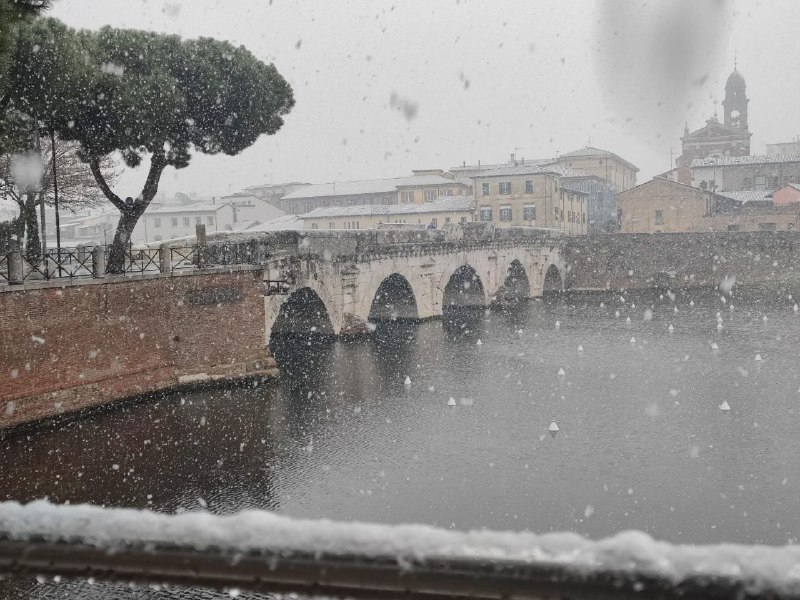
263, 550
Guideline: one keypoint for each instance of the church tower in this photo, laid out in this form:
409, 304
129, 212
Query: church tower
735, 102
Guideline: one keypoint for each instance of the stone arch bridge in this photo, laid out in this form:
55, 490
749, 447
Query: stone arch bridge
339, 282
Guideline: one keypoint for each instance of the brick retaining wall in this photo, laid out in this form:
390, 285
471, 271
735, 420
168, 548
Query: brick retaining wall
65, 347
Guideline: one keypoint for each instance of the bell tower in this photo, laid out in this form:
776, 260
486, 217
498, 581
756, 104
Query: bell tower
735, 103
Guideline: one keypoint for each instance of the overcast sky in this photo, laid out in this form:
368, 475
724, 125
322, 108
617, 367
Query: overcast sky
386, 87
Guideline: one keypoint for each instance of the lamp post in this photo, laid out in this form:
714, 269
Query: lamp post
55, 198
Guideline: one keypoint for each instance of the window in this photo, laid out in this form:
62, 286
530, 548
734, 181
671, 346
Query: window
430, 195
209, 220
447, 220
529, 212
555, 212
331, 225
760, 182
186, 221
733, 227
529, 186
505, 187
174, 221
463, 219
583, 218
767, 227
772, 182
407, 197
485, 188
486, 213
198, 220
659, 217
314, 226
747, 183
505, 213
156, 221
434, 222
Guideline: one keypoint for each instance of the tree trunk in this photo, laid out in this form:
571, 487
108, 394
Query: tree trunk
129, 214
122, 237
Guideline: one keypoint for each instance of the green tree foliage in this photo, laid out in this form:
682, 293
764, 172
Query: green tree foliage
12, 13
144, 95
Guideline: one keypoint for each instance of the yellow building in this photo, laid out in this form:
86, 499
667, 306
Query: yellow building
434, 214
574, 207
602, 163
429, 185
664, 206
529, 195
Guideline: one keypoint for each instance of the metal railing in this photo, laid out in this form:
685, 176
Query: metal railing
88, 262
263, 552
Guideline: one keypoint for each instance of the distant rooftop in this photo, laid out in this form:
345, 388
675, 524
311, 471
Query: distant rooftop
591, 151
442, 204
282, 223
526, 168
745, 160
748, 196
185, 208
369, 186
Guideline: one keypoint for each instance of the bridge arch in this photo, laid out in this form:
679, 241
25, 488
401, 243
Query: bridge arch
516, 286
553, 281
464, 289
302, 314
393, 300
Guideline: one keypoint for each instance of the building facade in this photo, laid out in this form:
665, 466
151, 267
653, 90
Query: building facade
167, 222
434, 214
529, 195
665, 206
515, 195
603, 164
422, 186
745, 173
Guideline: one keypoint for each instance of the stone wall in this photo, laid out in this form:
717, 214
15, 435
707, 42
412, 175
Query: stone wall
70, 346
632, 261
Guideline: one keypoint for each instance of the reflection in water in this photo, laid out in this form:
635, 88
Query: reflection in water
642, 443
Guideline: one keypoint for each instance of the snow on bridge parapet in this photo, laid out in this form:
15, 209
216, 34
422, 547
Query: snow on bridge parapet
255, 548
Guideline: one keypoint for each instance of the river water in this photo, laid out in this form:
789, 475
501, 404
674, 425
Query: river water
642, 441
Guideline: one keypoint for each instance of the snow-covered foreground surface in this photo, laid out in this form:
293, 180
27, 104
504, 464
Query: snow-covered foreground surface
777, 568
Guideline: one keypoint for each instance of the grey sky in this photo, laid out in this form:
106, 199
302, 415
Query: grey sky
477, 79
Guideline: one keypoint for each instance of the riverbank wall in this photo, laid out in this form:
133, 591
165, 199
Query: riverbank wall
630, 261
69, 346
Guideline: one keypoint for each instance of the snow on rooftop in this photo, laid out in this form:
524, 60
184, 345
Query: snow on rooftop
369, 186
755, 159
282, 223
526, 168
748, 196
762, 566
441, 204
185, 208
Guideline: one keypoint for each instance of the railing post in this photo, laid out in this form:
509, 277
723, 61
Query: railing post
164, 259
16, 273
98, 262
201, 258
